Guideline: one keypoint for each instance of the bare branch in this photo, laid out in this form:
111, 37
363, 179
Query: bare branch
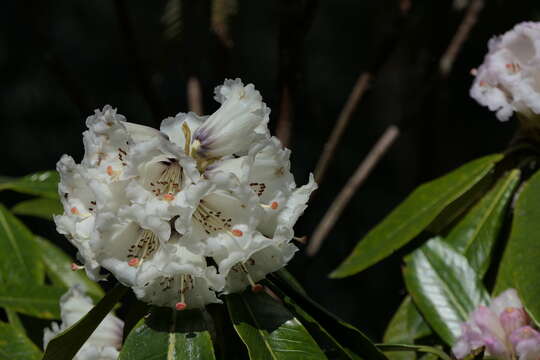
194, 95
461, 35
356, 95
283, 128
358, 178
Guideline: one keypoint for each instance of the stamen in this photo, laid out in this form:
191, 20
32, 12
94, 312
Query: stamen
237, 232
74, 211
181, 305
146, 245
133, 262
301, 239
474, 72
76, 267
274, 205
187, 135
110, 170
168, 197
254, 286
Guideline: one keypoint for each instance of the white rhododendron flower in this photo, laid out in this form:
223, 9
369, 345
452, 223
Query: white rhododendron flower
509, 79
503, 328
104, 342
204, 206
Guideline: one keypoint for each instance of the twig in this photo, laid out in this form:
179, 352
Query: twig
139, 70
359, 176
356, 95
194, 96
283, 128
463, 31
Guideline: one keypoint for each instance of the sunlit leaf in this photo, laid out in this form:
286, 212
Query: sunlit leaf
43, 183
269, 330
66, 344
19, 258
14, 345
414, 214
168, 334
34, 300
41, 207
444, 286
58, 268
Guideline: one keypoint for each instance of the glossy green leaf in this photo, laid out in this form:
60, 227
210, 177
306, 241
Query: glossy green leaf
349, 337
414, 214
43, 183
415, 348
14, 345
66, 344
58, 268
34, 300
406, 326
475, 235
41, 207
167, 334
269, 330
444, 287
18, 252
521, 259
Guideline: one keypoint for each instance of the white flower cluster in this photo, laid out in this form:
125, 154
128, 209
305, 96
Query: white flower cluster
104, 342
509, 78
204, 206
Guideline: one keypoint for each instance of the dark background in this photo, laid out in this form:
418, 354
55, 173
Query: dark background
61, 60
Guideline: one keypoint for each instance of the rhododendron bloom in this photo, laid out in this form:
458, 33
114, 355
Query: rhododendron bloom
509, 79
104, 342
503, 329
205, 205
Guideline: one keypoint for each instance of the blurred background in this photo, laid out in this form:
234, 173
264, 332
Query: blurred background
61, 60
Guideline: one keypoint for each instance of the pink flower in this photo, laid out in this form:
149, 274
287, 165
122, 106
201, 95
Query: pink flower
503, 329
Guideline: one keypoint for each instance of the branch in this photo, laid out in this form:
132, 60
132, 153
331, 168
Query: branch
194, 95
461, 35
358, 178
356, 95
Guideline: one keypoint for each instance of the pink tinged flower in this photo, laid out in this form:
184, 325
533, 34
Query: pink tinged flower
469, 340
526, 341
492, 331
513, 318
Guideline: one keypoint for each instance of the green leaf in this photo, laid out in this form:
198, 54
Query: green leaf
66, 344
169, 335
58, 268
444, 287
414, 214
416, 348
348, 336
521, 259
269, 330
43, 183
476, 234
406, 326
14, 345
34, 300
41, 207
18, 251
